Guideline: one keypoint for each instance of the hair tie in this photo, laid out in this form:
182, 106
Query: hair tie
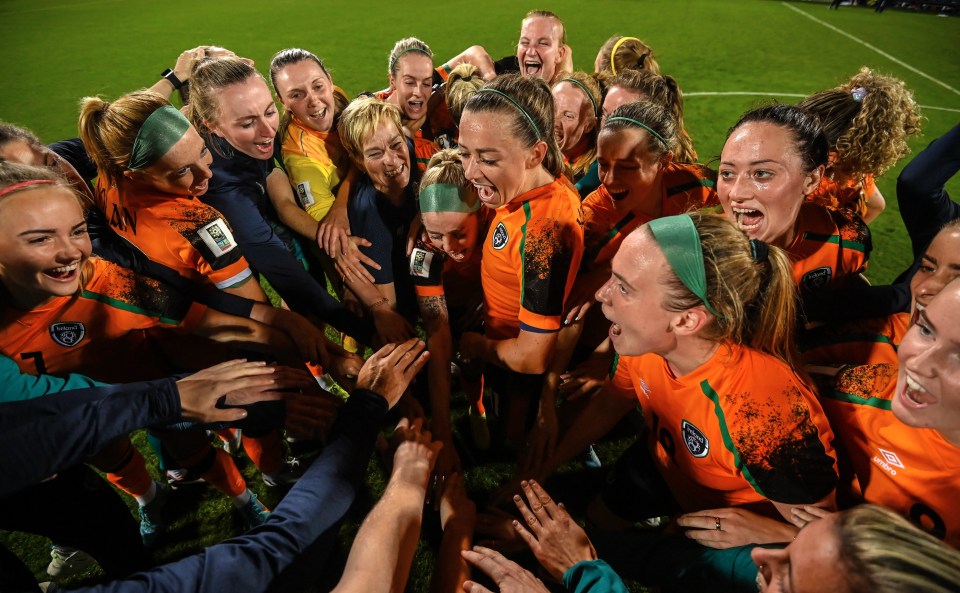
858, 93
585, 90
759, 250
642, 125
613, 52
396, 58
159, 132
677, 236
446, 197
641, 60
26, 185
533, 124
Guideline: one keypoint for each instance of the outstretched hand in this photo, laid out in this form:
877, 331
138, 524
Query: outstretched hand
391, 369
240, 383
509, 576
553, 536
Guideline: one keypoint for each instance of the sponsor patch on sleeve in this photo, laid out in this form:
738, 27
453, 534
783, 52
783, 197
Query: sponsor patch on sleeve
305, 195
217, 237
420, 262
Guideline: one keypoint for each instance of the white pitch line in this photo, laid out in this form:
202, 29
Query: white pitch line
772, 94
738, 93
874, 48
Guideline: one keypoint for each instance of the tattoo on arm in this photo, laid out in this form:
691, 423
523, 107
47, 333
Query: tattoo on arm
433, 308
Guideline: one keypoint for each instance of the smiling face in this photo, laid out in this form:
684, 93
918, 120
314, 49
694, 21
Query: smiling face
808, 565
939, 265
539, 51
494, 160
617, 96
628, 171
43, 244
456, 233
386, 159
248, 118
632, 299
762, 182
412, 81
928, 383
306, 91
183, 170
573, 116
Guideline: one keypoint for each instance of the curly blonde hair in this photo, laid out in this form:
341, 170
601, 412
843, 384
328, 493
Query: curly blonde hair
867, 120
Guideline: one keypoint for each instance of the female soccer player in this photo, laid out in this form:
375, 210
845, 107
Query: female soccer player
721, 432
536, 240
233, 110
636, 85
576, 100
867, 121
65, 311
772, 160
446, 275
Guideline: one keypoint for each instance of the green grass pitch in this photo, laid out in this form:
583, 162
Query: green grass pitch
53, 52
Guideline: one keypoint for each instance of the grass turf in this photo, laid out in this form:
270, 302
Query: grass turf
55, 51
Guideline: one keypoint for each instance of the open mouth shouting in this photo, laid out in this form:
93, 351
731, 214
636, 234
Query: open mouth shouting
264, 147
747, 219
487, 194
415, 108
913, 395
532, 66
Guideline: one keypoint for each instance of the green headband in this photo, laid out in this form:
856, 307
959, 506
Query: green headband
444, 197
164, 128
642, 125
533, 124
585, 90
677, 236
396, 58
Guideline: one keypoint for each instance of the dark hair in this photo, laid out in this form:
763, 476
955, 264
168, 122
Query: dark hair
804, 126
14, 133
650, 114
528, 96
289, 57
665, 91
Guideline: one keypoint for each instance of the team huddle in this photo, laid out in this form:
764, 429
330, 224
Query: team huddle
572, 268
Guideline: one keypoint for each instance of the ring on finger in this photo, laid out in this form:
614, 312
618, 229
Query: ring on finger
717, 519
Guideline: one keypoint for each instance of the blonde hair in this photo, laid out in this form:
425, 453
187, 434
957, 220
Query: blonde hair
108, 129
549, 15
755, 298
665, 91
870, 134
446, 167
883, 553
632, 54
360, 120
462, 82
528, 97
403, 47
209, 77
13, 173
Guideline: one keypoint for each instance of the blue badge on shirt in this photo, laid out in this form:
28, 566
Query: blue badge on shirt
67, 333
500, 237
694, 439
